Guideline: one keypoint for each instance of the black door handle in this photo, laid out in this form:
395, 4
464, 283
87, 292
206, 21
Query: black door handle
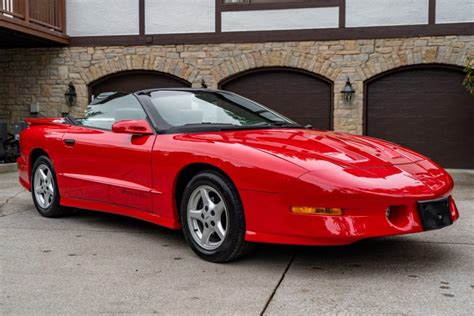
69, 142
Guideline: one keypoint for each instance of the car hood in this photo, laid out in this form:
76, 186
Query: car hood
313, 149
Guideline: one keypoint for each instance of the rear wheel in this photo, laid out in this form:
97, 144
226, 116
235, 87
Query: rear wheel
44, 189
213, 219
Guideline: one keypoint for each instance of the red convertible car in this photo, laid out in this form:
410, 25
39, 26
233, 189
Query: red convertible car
229, 172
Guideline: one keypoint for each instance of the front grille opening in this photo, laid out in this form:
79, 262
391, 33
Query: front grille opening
398, 215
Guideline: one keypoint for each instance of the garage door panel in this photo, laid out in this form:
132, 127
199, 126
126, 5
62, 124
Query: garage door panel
303, 97
425, 109
419, 128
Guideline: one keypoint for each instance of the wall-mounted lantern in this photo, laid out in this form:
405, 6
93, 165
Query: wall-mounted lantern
348, 92
203, 84
71, 95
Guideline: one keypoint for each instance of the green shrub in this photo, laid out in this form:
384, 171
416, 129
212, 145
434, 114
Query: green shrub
469, 79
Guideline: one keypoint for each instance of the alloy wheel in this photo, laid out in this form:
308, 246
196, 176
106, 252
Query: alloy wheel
43, 186
207, 217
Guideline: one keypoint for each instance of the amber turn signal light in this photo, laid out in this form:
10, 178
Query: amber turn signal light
316, 210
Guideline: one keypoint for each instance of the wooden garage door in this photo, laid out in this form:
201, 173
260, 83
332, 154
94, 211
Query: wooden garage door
299, 95
130, 81
427, 109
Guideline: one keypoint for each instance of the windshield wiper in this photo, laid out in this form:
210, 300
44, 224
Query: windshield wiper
207, 124
210, 126
278, 124
202, 127
70, 120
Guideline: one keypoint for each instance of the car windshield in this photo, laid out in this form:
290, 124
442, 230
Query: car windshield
184, 108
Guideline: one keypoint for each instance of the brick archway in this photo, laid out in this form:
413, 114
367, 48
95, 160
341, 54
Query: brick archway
135, 80
382, 63
262, 59
172, 67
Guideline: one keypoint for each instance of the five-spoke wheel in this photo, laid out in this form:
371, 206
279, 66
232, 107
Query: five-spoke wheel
44, 189
207, 217
213, 218
43, 186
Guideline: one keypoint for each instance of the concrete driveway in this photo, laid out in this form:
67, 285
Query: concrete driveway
99, 263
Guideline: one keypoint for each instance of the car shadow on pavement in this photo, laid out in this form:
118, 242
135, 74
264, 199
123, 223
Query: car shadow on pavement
108, 221
402, 256
381, 255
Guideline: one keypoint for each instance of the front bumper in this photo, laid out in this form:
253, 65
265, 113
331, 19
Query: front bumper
273, 223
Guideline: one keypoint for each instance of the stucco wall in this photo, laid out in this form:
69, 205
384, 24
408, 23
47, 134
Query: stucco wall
120, 17
191, 16
454, 11
291, 19
41, 75
386, 12
104, 17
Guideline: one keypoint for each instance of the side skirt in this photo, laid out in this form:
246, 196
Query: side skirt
119, 210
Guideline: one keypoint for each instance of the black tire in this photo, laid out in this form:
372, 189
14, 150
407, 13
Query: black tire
54, 209
234, 244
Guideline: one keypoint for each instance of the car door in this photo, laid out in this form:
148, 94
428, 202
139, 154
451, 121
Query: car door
102, 166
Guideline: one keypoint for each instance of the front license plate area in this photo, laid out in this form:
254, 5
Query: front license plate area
435, 214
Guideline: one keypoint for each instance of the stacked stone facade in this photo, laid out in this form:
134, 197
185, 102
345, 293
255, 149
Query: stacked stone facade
41, 75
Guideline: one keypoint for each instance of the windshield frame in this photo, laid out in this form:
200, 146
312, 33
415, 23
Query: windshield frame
162, 127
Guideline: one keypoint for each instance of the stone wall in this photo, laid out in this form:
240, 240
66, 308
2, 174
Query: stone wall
41, 75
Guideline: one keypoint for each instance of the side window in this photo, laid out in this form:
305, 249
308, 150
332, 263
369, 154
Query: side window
115, 108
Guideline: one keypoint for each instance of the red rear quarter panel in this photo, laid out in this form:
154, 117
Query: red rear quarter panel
47, 138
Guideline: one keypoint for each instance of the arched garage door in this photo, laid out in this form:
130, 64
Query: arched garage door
130, 81
424, 108
302, 96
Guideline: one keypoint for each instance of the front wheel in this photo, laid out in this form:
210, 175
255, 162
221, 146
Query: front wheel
213, 219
